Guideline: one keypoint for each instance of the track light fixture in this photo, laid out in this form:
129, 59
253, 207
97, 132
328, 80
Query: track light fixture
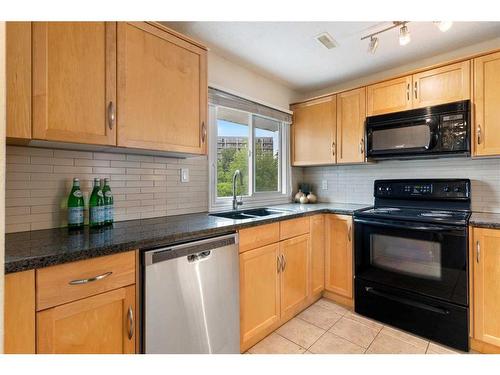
404, 35
443, 25
372, 47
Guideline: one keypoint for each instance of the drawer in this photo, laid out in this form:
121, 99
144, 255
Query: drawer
259, 236
72, 281
294, 227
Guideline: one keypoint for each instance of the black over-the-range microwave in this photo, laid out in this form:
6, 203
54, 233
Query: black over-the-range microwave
442, 130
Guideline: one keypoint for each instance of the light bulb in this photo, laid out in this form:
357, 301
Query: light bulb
404, 35
444, 25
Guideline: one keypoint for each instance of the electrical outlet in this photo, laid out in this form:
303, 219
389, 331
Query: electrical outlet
324, 184
184, 175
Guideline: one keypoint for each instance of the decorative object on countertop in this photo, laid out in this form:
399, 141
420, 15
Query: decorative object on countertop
299, 195
303, 199
305, 187
108, 203
76, 206
312, 198
96, 205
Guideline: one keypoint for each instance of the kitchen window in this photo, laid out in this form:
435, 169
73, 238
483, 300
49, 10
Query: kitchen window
249, 140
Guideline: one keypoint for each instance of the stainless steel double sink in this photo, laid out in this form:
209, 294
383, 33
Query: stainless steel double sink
251, 213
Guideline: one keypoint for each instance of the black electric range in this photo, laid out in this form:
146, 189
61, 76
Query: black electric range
411, 263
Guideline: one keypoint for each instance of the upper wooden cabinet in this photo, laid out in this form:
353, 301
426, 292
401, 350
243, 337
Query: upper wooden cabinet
351, 116
487, 107
486, 290
162, 90
74, 82
339, 255
18, 76
389, 96
314, 132
447, 84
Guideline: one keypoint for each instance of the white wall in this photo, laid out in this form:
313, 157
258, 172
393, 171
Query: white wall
2, 172
387, 74
234, 78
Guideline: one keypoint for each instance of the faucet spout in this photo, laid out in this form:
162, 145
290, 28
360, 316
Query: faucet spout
236, 203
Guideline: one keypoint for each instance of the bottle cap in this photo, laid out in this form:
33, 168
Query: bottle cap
106, 179
76, 179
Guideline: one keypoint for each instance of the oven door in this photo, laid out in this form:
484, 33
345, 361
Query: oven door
422, 258
412, 137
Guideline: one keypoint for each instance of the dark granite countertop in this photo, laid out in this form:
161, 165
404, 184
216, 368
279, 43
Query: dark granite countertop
43, 248
485, 220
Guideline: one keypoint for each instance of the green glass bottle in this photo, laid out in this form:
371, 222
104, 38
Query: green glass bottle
75, 206
96, 205
108, 203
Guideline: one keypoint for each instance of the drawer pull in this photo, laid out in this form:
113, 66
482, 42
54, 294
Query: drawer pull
130, 316
90, 279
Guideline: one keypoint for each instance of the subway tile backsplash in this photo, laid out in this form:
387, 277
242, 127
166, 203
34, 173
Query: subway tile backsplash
354, 183
38, 182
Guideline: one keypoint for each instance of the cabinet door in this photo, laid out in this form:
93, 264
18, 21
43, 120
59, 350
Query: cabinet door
162, 90
259, 294
317, 232
486, 265
102, 324
313, 132
339, 254
18, 75
447, 84
74, 82
487, 108
294, 275
351, 115
389, 96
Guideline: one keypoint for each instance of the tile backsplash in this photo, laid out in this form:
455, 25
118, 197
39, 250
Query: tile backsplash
38, 182
354, 183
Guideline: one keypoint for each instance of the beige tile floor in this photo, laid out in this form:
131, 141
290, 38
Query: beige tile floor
328, 328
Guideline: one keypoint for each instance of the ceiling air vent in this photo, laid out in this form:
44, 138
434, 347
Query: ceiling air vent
326, 40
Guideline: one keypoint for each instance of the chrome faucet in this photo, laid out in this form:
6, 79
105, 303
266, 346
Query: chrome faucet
237, 202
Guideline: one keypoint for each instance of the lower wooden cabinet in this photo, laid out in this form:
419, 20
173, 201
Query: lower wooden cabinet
294, 275
259, 293
103, 324
317, 233
485, 299
339, 258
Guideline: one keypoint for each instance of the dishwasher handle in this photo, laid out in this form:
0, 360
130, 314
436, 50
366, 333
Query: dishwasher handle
199, 248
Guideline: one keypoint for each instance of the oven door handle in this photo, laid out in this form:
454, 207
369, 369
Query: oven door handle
407, 301
406, 225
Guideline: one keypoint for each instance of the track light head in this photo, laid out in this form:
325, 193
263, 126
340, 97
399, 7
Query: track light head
372, 47
404, 35
444, 25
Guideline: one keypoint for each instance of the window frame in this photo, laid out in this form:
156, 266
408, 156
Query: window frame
253, 199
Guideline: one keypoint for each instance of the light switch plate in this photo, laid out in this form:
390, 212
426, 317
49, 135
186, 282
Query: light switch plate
324, 184
184, 175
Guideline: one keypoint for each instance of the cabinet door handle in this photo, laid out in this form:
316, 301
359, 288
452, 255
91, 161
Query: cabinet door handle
416, 90
408, 92
478, 134
478, 252
349, 233
283, 262
361, 146
111, 115
333, 148
203, 132
278, 263
90, 279
130, 317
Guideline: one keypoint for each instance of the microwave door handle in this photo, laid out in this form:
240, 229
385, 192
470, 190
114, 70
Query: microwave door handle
433, 228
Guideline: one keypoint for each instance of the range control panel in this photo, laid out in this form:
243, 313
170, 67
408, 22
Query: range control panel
444, 189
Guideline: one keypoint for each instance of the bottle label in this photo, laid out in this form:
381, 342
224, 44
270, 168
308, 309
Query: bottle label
97, 215
99, 193
109, 211
108, 194
75, 215
78, 193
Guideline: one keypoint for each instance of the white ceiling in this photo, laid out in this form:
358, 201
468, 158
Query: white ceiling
288, 51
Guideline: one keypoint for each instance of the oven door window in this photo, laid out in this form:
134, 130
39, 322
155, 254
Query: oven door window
406, 256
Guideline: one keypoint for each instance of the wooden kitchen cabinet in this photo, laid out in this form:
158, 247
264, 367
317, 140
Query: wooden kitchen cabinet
486, 289
317, 233
339, 258
162, 90
74, 82
104, 324
314, 132
447, 84
294, 275
18, 77
487, 109
389, 96
351, 116
259, 294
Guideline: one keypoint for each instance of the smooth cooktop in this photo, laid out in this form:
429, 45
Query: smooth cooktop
417, 214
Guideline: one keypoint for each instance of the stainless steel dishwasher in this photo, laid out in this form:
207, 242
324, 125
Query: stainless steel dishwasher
191, 297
